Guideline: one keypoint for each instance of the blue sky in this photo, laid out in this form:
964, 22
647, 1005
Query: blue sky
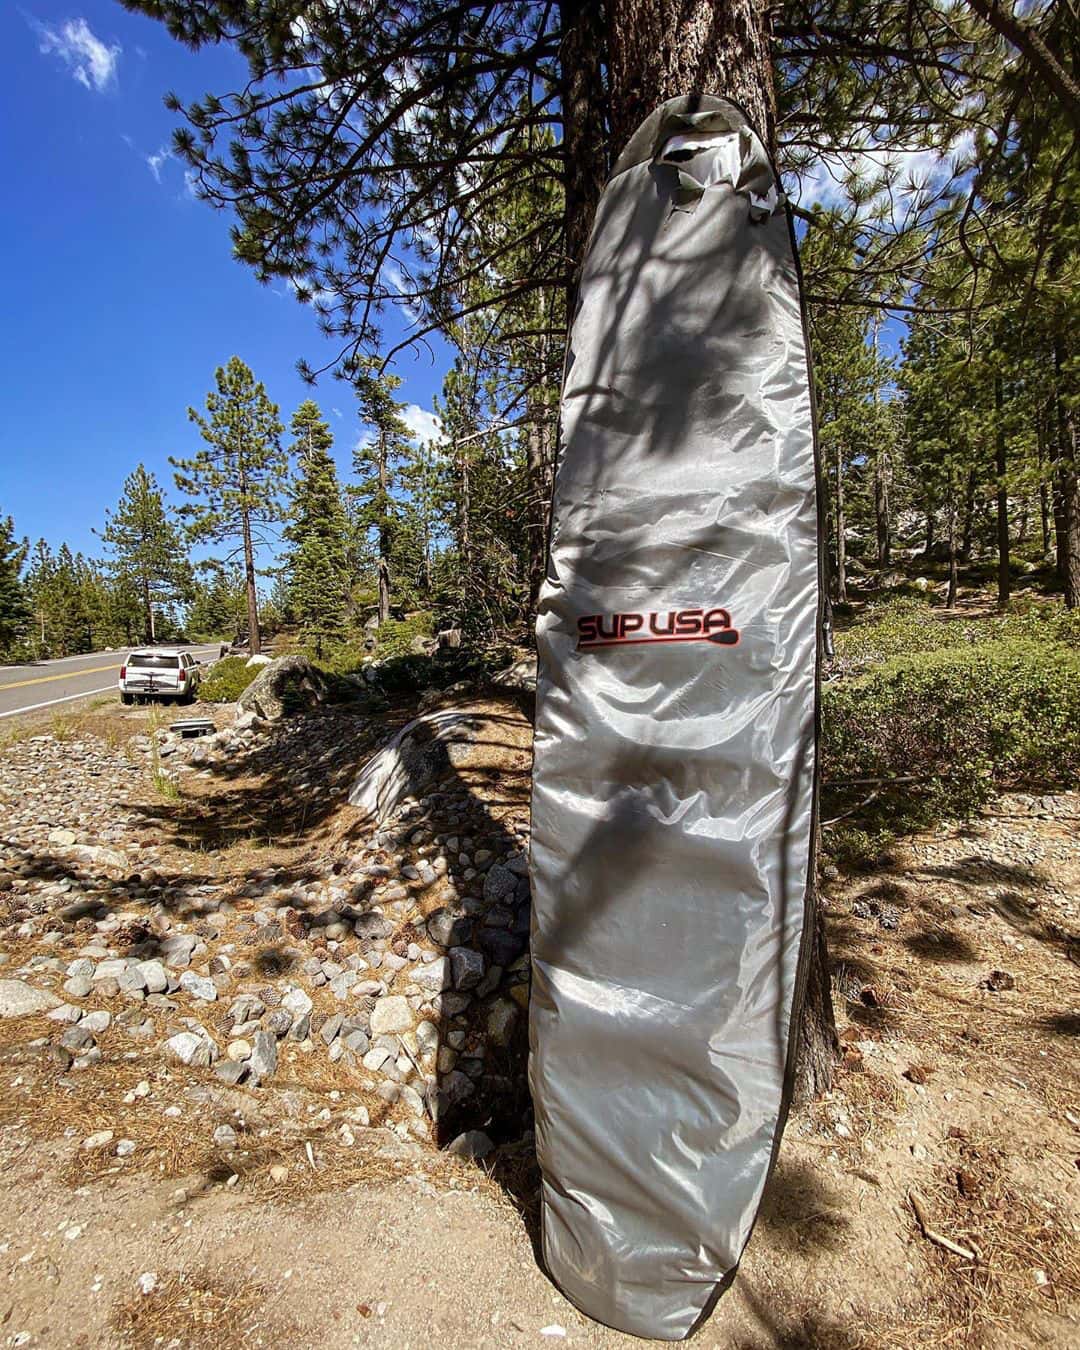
121, 295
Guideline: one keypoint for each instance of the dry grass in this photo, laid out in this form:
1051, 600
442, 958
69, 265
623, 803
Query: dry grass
1025, 1248
201, 1311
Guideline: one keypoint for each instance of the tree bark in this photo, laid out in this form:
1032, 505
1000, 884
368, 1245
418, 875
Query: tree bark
656, 50
882, 519
254, 637
383, 563
969, 518
148, 610
1066, 486
950, 598
841, 526
1000, 466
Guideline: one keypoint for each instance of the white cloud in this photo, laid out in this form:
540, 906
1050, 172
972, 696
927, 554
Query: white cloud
90, 61
423, 425
191, 184
154, 162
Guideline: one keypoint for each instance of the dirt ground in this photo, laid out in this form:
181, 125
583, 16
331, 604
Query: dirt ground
929, 1200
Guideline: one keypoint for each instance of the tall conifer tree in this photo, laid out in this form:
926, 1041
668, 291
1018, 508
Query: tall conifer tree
146, 546
236, 481
316, 563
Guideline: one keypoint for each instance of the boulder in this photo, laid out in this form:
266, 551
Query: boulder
19, 999
287, 685
410, 763
521, 675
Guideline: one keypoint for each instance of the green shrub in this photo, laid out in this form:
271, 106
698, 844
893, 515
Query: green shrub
396, 636
227, 680
957, 724
904, 627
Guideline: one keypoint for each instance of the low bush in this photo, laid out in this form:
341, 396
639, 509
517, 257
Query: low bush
904, 627
395, 637
227, 679
939, 732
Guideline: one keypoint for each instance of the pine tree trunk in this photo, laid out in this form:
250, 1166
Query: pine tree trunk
148, 610
1044, 491
969, 518
950, 598
254, 637
540, 487
841, 527
881, 508
655, 50
1000, 466
383, 562
1066, 487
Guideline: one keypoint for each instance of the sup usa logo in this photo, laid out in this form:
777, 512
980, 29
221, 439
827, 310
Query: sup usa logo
596, 631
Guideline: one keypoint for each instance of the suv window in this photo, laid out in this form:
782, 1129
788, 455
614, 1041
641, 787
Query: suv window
153, 662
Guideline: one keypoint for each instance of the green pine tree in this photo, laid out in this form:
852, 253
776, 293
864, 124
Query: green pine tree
316, 570
378, 461
236, 481
146, 547
14, 603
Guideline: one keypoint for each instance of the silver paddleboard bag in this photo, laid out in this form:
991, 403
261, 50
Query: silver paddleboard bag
673, 795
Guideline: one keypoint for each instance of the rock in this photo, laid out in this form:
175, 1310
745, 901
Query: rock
412, 1099
296, 1001
257, 660
187, 1048
502, 947
471, 1144
225, 1136
467, 967
96, 1022
500, 1022
499, 884
238, 1050
279, 1022
230, 1071
521, 675
153, 976
391, 1015
79, 986
264, 1056
62, 838
77, 1037
288, 684
408, 764
98, 1140
372, 925
19, 999
125, 1148
434, 977
198, 986
998, 980
518, 863
177, 948
447, 930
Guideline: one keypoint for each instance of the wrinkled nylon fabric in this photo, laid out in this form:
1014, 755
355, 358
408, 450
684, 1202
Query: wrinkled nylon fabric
674, 779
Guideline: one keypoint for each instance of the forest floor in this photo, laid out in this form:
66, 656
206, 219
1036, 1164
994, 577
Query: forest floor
929, 1200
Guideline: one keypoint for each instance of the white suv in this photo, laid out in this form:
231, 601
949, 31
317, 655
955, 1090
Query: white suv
159, 672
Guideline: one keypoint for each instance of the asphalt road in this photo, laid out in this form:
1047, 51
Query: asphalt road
24, 689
